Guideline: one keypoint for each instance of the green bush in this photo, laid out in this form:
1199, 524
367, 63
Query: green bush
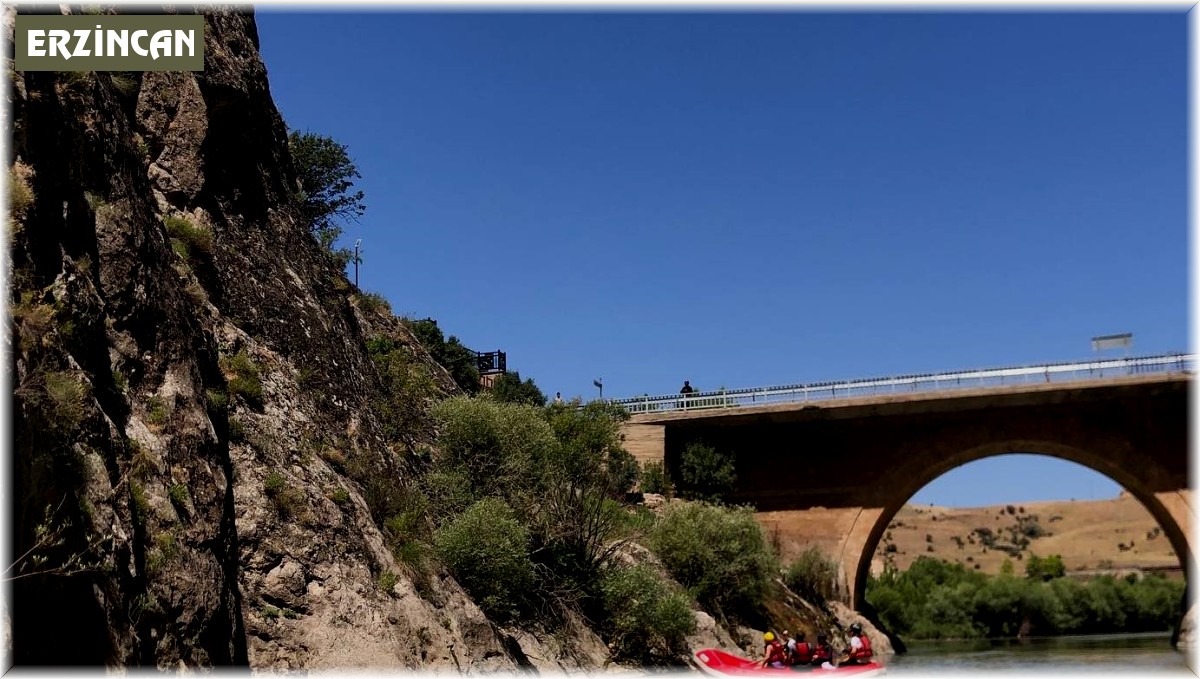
450, 353
217, 400
496, 447
188, 240
508, 388
718, 553
237, 430
387, 582
654, 478
449, 493
119, 380
560, 470
156, 411
246, 381
1045, 568
65, 404
647, 620
178, 493
374, 303
813, 576
407, 385
485, 549
705, 473
287, 500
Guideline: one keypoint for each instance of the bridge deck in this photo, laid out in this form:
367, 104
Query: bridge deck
854, 402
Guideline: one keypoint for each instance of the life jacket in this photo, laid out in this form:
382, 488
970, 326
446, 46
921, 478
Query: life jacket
804, 652
864, 654
822, 652
777, 652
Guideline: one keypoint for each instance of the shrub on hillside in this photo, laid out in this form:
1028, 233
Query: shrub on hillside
191, 242
486, 549
560, 470
648, 620
705, 473
449, 493
450, 353
406, 383
374, 303
813, 576
496, 447
509, 388
1045, 568
246, 381
719, 554
654, 478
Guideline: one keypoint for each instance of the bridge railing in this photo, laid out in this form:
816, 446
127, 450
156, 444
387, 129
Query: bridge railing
973, 379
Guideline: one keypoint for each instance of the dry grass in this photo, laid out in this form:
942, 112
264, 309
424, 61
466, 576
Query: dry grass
1085, 533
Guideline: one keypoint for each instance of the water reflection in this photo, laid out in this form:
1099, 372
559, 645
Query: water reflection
1136, 654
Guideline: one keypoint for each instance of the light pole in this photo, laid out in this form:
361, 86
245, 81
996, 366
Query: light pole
357, 243
599, 382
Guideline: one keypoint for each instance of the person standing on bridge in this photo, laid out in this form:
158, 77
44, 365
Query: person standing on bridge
687, 388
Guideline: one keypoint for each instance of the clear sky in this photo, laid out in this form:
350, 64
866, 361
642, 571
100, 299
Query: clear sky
754, 199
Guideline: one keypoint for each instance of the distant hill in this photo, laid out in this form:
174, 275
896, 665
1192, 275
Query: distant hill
1089, 535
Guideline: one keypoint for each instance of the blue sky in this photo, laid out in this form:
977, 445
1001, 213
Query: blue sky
754, 199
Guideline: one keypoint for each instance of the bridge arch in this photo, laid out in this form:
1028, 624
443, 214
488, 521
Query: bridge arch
1171, 509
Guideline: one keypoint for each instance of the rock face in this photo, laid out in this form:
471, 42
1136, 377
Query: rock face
202, 524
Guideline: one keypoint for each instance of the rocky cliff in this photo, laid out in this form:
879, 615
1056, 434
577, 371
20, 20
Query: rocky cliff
196, 455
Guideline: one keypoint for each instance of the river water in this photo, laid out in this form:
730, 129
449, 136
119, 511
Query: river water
1116, 654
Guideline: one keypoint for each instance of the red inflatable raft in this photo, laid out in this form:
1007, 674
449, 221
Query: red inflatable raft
721, 664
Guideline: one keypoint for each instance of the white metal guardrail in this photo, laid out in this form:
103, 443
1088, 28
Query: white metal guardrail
973, 379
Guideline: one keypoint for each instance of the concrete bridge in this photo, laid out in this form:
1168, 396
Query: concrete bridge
869, 445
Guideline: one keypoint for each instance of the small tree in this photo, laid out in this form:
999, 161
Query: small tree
813, 576
654, 478
509, 388
486, 548
719, 553
1045, 568
451, 354
327, 196
647, 618
705, 472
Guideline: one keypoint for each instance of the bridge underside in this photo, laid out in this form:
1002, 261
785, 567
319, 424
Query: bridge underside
872, 455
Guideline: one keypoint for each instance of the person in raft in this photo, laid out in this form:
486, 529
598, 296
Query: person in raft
802, 651
859, 652
774, 652
822, 652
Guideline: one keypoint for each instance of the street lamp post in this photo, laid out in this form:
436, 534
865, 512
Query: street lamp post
599, 385
357, 243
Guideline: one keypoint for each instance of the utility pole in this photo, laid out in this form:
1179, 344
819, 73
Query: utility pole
357, 243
